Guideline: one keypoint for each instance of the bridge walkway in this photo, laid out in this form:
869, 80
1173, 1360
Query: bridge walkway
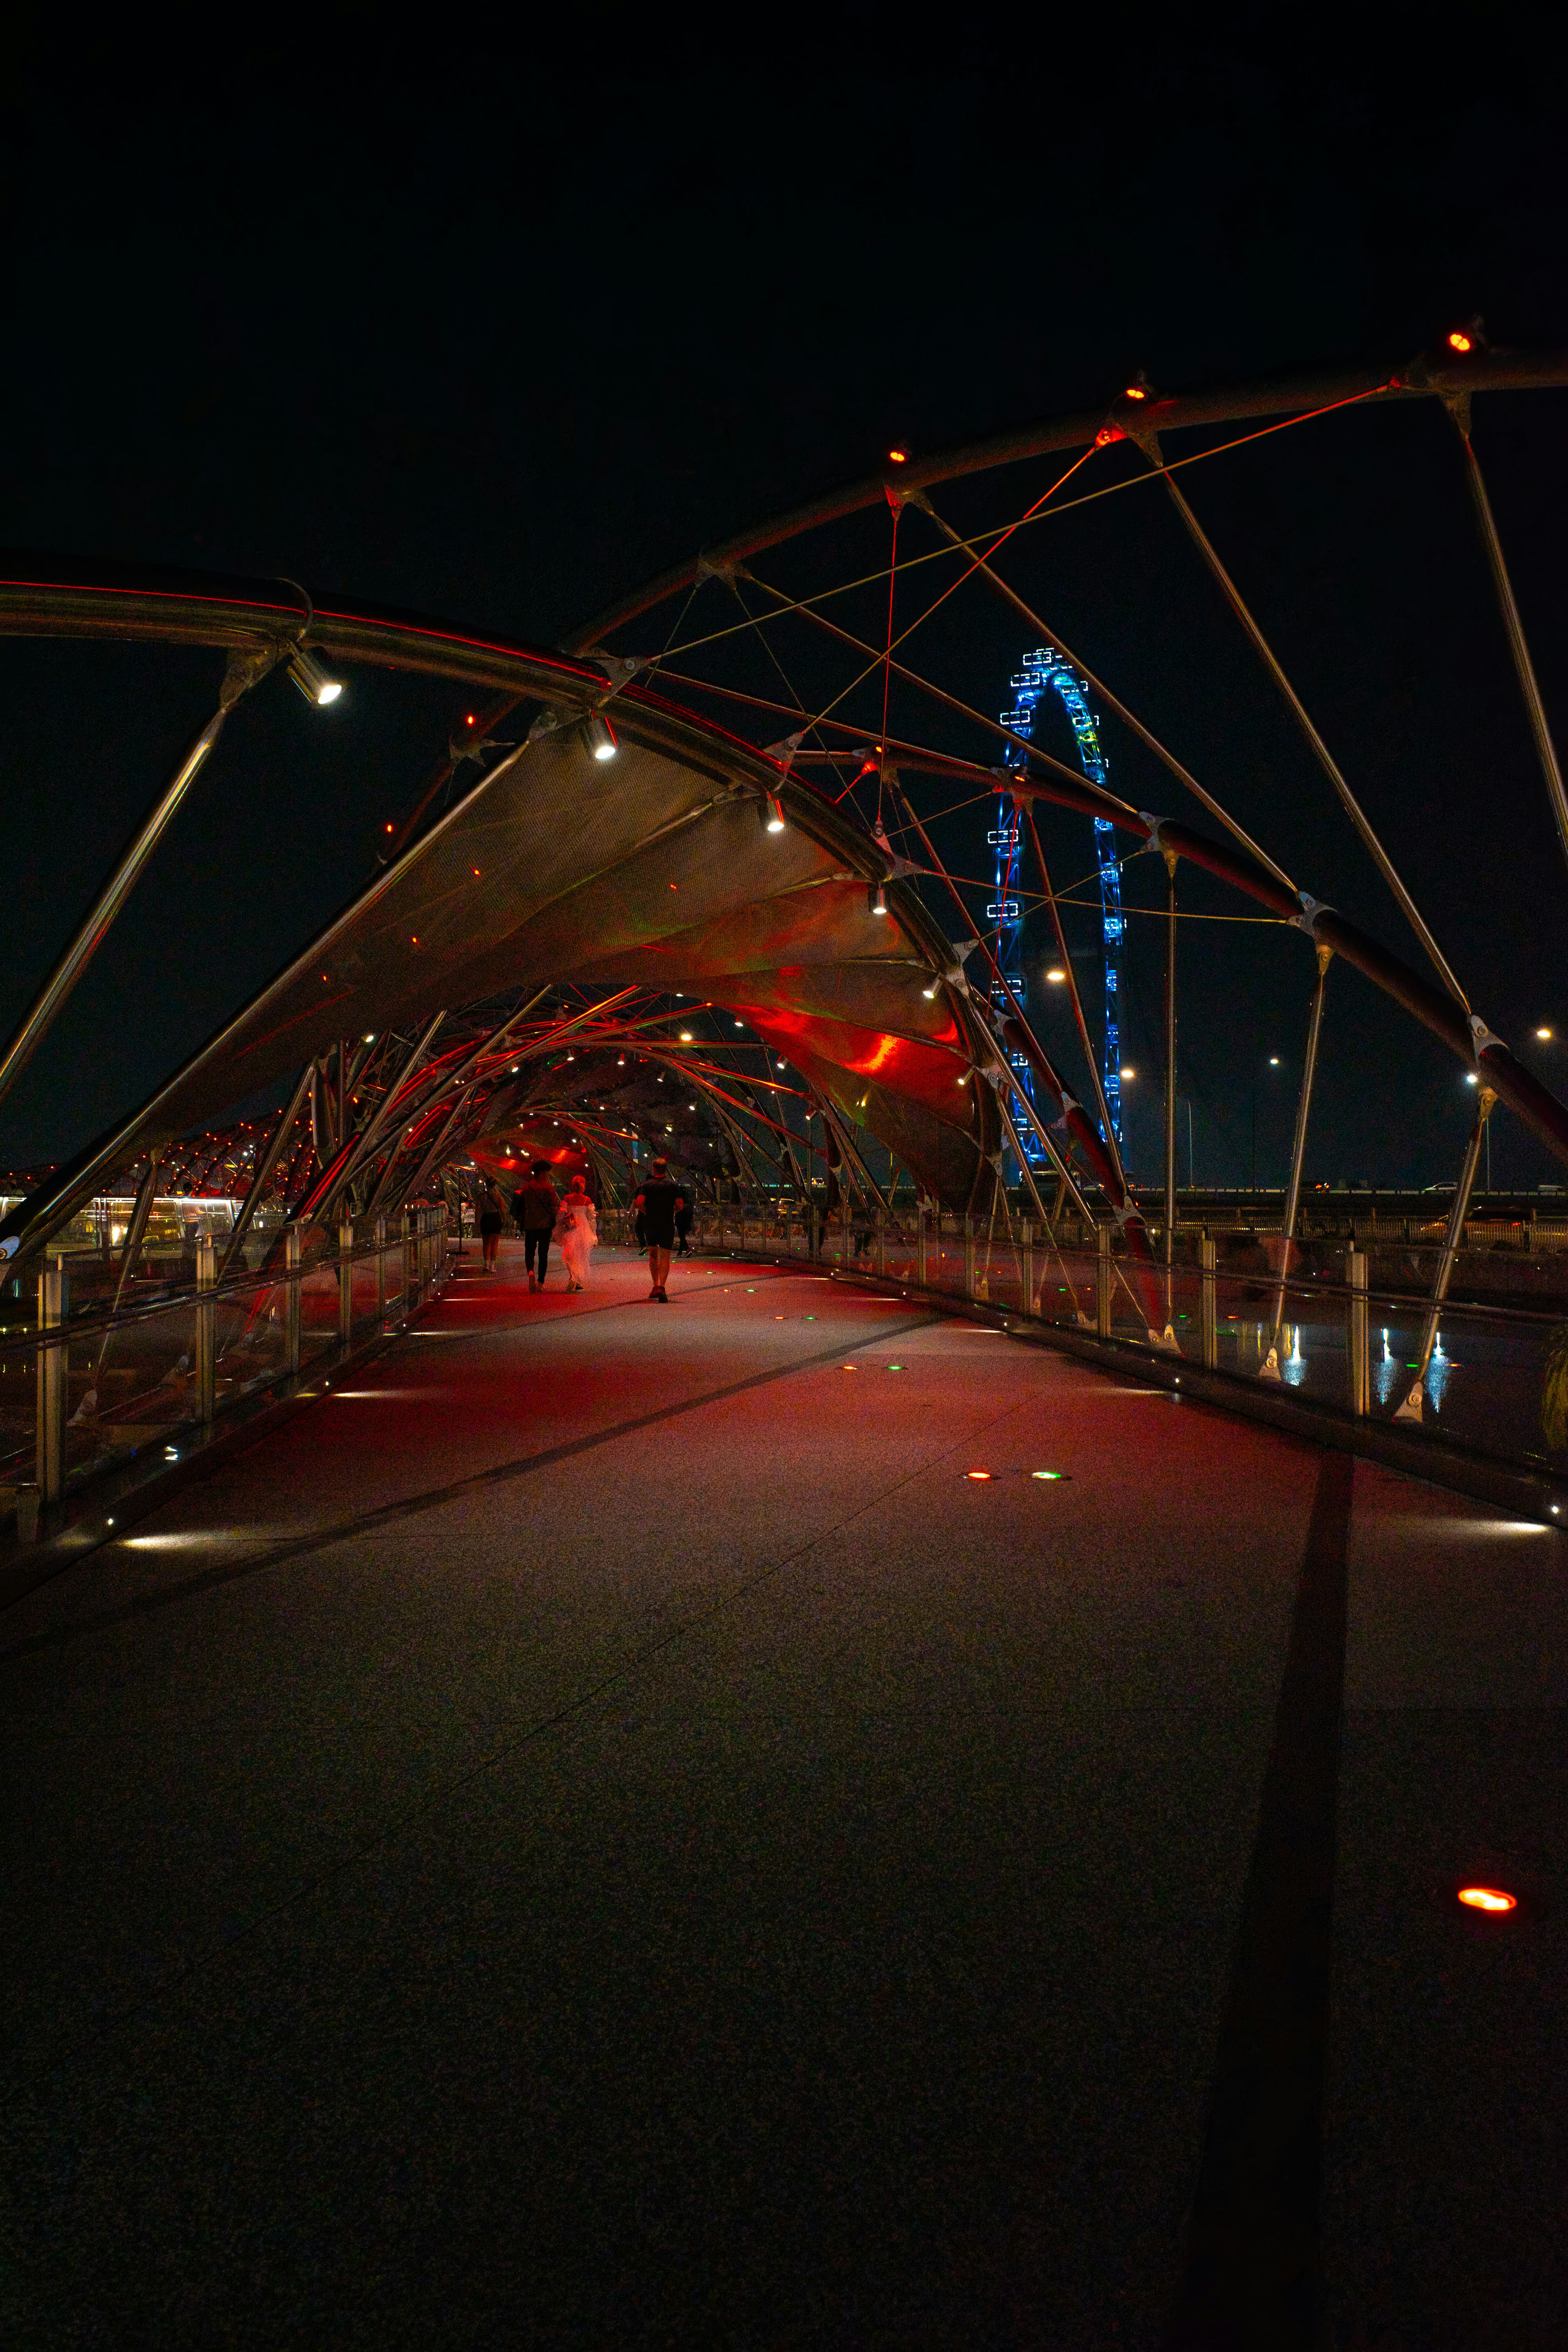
602, 1833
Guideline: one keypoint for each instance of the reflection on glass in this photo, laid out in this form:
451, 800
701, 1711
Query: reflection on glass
1293, 1367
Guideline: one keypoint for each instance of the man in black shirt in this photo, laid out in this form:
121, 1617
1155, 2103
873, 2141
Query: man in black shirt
656, 1205
539, 1208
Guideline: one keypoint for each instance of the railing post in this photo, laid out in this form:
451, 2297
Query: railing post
292, 1279
1357, 1358
881, 1241
380, 1271
346, 1281
1209, 1327
206, 1333
814, 1239
52, 1360
1029, 1304
969, 1257
1103, 1293
921, 1243
410, 1261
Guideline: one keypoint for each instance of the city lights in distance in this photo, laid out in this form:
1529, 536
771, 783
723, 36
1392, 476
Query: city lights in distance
686, 1036
1274, 1061
1487, 1898
1055, 974
1544, 1034
1127, 1071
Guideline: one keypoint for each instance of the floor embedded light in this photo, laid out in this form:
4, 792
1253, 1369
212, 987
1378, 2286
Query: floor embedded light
977, 1474
1045, 1474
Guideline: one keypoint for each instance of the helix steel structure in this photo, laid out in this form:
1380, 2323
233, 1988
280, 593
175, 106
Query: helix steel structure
753, 903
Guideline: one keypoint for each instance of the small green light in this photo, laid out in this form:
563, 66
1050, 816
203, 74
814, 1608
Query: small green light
895, 1368
1045, 1474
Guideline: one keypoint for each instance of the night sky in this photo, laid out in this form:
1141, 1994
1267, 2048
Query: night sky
492, 326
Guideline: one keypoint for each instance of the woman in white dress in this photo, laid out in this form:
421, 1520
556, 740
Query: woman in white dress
576, 1230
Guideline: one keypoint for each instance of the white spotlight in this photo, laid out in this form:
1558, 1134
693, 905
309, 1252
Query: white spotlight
878, 900
775, 820
313, 680
600, 737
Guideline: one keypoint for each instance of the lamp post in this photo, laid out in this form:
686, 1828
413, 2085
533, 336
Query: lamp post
1274, 1064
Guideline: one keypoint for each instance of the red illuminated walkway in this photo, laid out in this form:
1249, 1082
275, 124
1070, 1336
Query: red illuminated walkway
600, 1832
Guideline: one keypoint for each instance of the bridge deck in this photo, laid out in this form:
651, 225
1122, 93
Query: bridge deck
600, 1832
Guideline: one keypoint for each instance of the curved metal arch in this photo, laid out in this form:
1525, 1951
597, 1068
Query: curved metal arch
470, 907
1430, 377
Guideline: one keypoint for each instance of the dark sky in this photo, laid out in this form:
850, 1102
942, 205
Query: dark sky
476, 317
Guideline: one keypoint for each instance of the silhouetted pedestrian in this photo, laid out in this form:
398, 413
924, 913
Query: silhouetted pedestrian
657, 1203
492, 1221
539, 1207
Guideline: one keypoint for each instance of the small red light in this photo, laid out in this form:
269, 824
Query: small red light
471, 721
1460, 341
414, 941
897, 457
675, 886
977, 1474
475, 872
1135, 392
1487, 1898
391, 828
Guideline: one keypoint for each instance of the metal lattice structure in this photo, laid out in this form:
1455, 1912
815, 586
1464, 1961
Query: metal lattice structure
741, 882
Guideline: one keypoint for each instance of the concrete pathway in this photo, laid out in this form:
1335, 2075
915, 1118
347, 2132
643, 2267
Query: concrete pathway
602, 1833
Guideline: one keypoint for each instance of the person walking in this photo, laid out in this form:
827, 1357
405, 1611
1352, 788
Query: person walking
657, 1204
540, 1208
577, 1230
683, 1229
492, 1221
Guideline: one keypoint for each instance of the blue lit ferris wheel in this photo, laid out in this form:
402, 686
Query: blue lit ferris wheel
1045, 672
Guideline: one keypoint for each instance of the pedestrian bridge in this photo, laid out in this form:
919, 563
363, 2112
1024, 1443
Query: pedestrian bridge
805, 1818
